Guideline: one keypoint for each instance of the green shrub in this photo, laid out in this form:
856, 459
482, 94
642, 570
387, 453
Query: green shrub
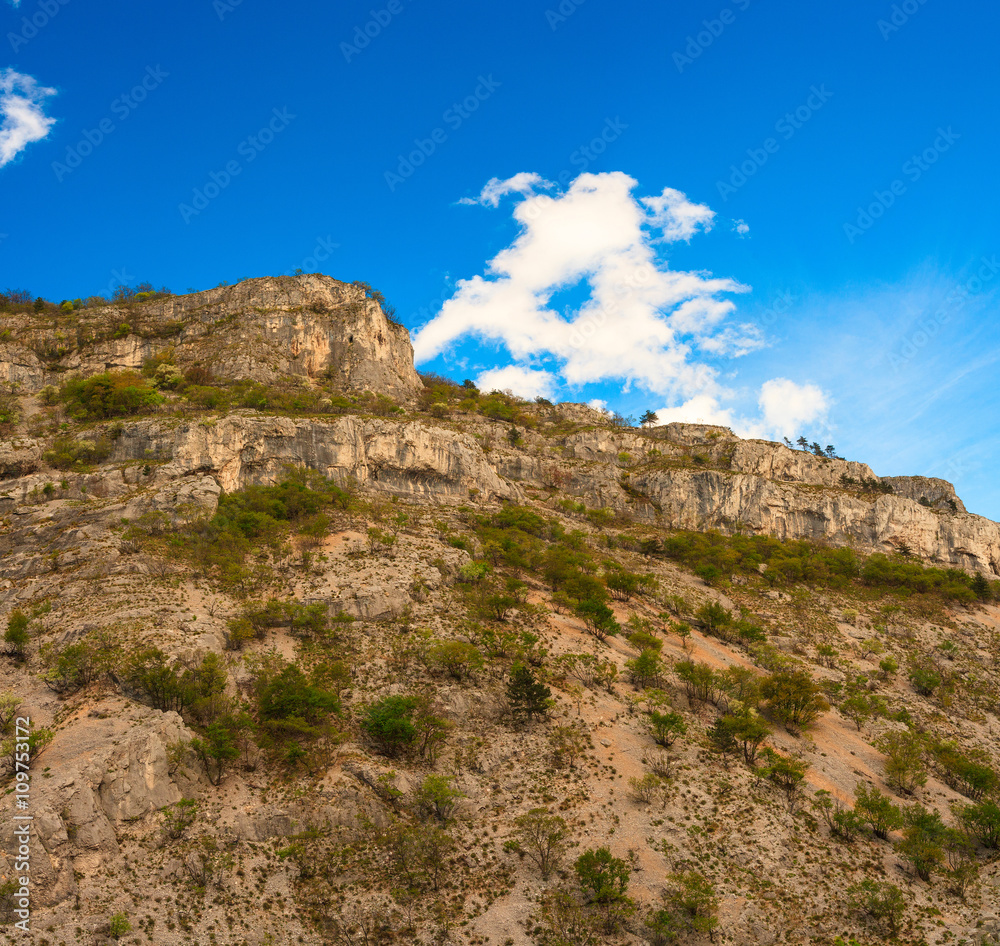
881, 903
793, 697
388, 723
68, 453
109, 394
526, 696
119, 926
17, 636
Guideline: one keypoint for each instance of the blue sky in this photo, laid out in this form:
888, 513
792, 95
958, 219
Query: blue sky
792, 206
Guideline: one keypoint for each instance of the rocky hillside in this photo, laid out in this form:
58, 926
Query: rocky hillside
318, 651
267, 330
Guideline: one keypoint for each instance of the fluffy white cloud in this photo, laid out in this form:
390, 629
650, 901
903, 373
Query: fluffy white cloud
22, 108
701, 409
679, 218
788, 408
521, 381
634, 320
640, 322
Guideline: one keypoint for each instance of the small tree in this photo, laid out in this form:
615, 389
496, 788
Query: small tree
604, 878
877, 810
925, 680
857, 707
119, 926
881, 903
905, 769
389, 725
17, 637
542, 837
787, 774
567, 743
691, 907
645, 789
10, 703
598, 618
923, 840
981, 822
648, 419
793, 697
666, 727
216, 750
438, 797
646, 669
526, 697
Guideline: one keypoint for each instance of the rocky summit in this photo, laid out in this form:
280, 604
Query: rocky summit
304, 647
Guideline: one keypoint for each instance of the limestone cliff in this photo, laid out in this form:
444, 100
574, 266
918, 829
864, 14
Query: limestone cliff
261, 329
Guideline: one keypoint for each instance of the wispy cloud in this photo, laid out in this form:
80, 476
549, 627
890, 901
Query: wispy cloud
22, 108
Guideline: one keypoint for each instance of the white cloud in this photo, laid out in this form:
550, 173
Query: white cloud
741, 227
701, 409
523, 184
521, 381
788, 408
22, 102
640, 322
679, 218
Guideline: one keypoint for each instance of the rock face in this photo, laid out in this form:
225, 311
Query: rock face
685, 476
109, 767
413, 459
260, 329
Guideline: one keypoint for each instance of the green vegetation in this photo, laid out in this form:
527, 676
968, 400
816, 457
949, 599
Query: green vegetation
17, 636
792, 562
257, 518
109, 394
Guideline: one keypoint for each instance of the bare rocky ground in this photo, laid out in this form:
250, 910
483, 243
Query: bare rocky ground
303, 852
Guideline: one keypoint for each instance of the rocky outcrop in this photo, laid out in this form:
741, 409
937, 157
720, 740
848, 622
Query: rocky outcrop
109, 767
414, 459
20, 368
265, 330
19, 457
699, 477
